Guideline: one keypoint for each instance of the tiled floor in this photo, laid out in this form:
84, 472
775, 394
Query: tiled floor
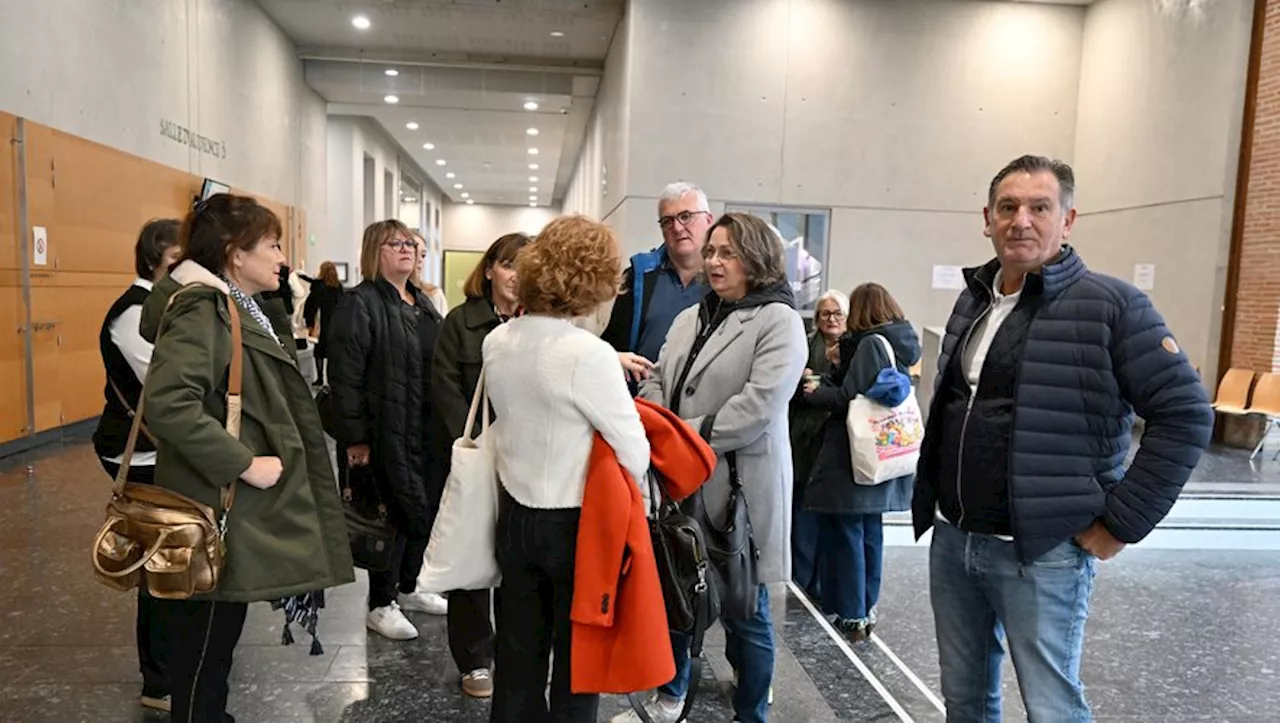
1175, 635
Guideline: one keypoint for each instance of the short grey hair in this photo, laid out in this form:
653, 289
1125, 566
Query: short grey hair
1037, 164
678, 190
837, 296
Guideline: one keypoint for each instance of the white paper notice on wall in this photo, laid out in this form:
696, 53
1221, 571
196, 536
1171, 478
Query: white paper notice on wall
948, 277
40, 245
1144, 276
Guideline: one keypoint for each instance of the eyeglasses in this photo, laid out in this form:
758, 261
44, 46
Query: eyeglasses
401, 245
684, 218
825, 315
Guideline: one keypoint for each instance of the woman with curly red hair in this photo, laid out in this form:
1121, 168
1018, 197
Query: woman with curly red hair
553, 384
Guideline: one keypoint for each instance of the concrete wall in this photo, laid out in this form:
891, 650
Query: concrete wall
113, 70
350, 139
474, 228
1156, 152
893, 115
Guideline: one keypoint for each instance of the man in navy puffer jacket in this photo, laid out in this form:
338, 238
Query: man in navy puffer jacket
1022, 474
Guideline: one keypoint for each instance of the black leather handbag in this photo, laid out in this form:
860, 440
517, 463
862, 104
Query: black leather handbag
733, 549
369, 526
688, 583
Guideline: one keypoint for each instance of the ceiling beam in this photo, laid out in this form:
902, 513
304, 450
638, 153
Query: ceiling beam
524, 64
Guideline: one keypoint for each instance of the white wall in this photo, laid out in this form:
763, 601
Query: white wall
599, 181
1156, 152
112, 70
895, 115
475, 227
350, 139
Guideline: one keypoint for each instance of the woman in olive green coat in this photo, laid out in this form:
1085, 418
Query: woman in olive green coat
286, 535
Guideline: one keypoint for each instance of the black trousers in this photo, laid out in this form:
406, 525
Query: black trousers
535, 550
401, 575
151, 627
204, 635
471, 629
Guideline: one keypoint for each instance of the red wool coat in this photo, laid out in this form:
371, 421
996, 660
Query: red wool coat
619, 639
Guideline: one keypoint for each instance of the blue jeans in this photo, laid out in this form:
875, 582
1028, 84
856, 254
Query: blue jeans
852, 560
981, 593
748, 647
806, 562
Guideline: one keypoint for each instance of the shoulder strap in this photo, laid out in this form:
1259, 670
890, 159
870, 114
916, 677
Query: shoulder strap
234, 378
479, 399
888, 348
129, 408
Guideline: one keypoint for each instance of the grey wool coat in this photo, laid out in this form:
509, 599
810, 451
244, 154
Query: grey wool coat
737, 393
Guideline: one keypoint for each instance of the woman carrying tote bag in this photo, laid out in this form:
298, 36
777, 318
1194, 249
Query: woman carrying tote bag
851, 528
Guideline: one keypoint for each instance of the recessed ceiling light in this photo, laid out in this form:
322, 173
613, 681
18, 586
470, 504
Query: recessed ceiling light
555, 33
533, 151
441, 162
533, 166
458, 186
361, 22
533, 198
471, 202
450, 175
533, 179
391, 72
429, 146
466, 195
412, 126
533, 189
532, 131
530, 105
392, 99
533, 205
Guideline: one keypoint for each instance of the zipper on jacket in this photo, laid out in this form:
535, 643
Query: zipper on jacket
973, 394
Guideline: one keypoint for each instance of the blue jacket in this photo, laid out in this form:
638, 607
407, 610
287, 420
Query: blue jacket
1096, 351
623, 331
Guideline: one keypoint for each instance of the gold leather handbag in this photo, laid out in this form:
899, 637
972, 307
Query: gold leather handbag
157, 537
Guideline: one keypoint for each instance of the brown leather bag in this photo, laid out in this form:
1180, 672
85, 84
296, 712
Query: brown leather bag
151, 533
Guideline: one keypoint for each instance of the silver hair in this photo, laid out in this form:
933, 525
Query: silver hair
837, 296
675, 191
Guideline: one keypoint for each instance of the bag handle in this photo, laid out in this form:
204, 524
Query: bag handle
476, 403
102, 535
234, 379
888, 348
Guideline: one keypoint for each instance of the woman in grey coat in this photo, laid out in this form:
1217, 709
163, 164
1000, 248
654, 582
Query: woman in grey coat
729, 367
850, 526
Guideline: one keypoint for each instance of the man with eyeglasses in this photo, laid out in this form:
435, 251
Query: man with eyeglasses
663, 282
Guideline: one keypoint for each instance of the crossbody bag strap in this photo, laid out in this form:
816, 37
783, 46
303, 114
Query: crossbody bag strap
234, 379
129, 408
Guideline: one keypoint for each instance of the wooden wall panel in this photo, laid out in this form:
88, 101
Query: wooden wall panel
93, 200
8, 194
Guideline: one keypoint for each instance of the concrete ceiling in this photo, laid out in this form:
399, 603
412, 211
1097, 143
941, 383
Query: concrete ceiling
464, 70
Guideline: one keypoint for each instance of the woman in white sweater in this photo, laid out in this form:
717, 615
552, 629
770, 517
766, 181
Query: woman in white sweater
553, 383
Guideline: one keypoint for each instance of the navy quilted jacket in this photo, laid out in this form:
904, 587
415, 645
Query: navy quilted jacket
1096, 352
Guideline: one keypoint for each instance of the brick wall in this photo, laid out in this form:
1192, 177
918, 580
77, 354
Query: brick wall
1255, 344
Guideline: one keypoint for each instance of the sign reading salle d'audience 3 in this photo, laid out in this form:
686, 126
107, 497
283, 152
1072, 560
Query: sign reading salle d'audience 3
175, 132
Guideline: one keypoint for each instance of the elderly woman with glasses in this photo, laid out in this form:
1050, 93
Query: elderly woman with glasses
806, 435
384, 335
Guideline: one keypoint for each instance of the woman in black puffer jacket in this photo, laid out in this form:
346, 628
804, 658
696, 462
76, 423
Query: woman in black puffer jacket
384, 335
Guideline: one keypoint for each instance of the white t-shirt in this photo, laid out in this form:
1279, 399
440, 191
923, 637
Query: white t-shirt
553, 386
975, 352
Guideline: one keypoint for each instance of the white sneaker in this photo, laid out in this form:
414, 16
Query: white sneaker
390, 623
423, 602
660, 708
735, 684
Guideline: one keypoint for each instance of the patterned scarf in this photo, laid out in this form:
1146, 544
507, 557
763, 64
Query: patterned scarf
302, 609
249, 304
